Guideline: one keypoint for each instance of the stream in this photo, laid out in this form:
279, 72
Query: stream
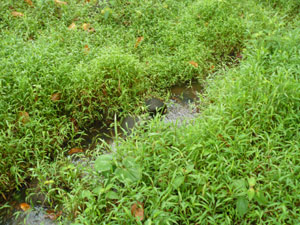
179, 108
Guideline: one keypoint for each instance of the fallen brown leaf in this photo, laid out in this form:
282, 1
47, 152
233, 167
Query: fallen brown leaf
17, 14
24, 206
193, 63
76, 213
86, 49
87, 27
137, 210
24, 116
72, 26
52, 215
138, 41
55, 97
60, 2
74, 150
29, 2
91, 30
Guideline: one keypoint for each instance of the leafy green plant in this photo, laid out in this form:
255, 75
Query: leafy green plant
235, 163
55, 80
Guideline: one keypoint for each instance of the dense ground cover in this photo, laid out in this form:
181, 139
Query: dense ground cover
56, 77
236, 164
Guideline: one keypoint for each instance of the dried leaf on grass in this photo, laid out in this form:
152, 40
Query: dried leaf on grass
86, 49
87, 27
55, 97
17, 14
137, 210
138, 41
74, 150
72, 26
29, 2
193, 63
24, 116
24, 206
52, 215
60, 2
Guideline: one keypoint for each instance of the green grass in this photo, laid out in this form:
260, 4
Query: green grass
197, 174
41, 56
243, 151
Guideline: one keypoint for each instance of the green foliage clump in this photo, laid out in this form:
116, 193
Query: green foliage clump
96, 69
238, 163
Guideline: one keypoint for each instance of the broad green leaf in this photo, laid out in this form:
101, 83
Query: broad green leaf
103, 163
132, 171
108, 187
177, 182
106, 14
251, 193
148, 222
106, 157
239, 185
86, 194
129, 162
112, 195
242, 206
128, 175
136, 172
102, 166
98, 190
251, 181
189, 168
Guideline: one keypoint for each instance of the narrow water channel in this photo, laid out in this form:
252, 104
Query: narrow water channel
179, 108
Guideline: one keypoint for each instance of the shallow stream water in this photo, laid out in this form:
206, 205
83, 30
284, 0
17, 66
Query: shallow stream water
180, 108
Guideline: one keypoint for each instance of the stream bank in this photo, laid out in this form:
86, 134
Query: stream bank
180, 108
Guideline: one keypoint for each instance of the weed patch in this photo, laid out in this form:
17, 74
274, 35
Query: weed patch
65, 66
236, 164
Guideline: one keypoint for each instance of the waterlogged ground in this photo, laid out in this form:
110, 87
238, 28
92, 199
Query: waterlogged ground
36, 216
180, 108
182, 105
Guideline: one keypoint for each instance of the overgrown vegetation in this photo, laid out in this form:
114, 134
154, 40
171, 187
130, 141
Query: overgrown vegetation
237, 164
